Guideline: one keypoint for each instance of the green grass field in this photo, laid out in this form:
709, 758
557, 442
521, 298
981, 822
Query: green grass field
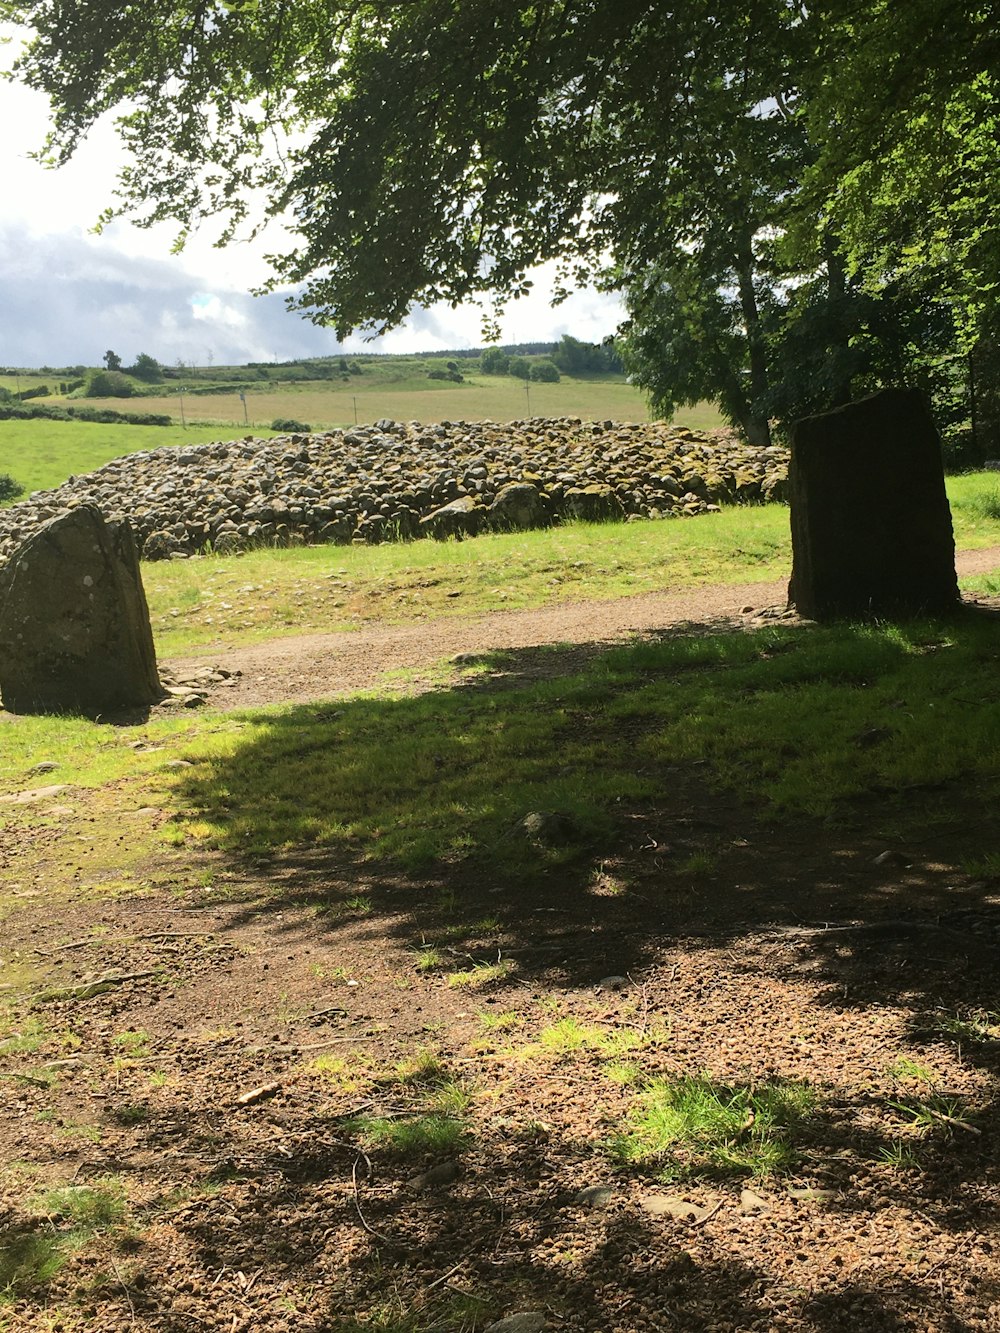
240, 599
41, 454
366, 399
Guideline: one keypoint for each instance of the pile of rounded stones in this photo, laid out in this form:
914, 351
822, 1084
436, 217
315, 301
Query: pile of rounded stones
398, 480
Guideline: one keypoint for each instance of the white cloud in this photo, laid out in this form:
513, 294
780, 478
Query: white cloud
68, 294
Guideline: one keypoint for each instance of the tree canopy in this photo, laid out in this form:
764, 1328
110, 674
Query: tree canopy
426, 150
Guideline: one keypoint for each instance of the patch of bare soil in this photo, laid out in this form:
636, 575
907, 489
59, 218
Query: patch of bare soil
208, 1044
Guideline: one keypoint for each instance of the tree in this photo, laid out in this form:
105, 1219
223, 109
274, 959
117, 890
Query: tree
458, 145
574, 357
112, 360
519, 367
107, 384
494, 361
146, 368
425, 150
545, 372
905, 113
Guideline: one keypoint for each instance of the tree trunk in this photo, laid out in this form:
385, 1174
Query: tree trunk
756, 426
836, 283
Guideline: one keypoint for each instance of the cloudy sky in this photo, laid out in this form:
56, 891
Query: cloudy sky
67, 295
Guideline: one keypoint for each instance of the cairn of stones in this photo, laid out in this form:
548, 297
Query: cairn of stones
399, 480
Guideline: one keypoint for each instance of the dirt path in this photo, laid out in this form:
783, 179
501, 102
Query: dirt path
305, 667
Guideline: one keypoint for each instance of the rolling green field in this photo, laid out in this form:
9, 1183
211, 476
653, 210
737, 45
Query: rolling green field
41, 454
364, 400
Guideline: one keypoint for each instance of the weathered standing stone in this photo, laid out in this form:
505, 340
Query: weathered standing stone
871, 526
74, 625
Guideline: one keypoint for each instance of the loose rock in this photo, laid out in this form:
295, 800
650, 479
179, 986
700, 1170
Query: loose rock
595, 1196
531, 1322
667, 1205
445, 1173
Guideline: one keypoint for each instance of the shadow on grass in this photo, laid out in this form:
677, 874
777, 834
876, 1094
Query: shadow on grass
716, 782
725, 792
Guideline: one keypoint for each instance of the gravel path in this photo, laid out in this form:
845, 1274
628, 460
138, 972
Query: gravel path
306, 667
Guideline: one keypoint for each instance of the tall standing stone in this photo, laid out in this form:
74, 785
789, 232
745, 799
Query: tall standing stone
871, 526
74, 625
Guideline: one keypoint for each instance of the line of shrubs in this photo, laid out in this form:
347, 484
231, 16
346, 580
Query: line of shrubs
106, 416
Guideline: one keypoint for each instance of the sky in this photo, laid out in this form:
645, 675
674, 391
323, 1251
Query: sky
68, 295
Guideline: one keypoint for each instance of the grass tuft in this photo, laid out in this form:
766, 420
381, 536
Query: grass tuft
414, 1136
693, 1125
31, 1256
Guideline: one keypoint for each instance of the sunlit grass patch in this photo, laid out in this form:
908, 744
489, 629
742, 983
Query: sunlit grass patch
975, 504
689, 1125
481, 974
133, 1043
60, 1221
90, 1207
348, 1074
608, 1044
89, 754
904, 1069
411, 1136
29, 1035
449, 1098
622, 1072
504, 1020
429, 959
569, 1035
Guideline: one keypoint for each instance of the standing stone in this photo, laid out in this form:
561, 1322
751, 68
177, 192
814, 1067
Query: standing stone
871, 526
74, 625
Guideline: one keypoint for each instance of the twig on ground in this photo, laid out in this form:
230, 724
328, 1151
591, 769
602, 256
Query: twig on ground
124, 1287
63, 948
357, 1201
444, 1276
953, 1120
175, 935
707, 1217
322, 1013
86, 990
962, 1244
25, 1078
